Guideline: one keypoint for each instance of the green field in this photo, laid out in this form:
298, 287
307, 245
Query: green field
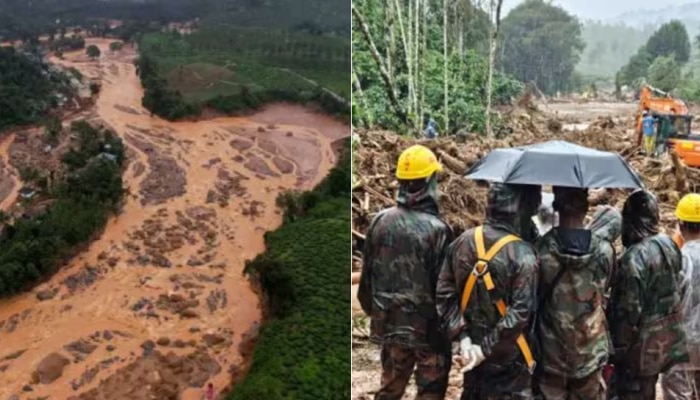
223, 62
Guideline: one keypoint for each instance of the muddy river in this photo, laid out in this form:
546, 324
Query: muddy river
169, 267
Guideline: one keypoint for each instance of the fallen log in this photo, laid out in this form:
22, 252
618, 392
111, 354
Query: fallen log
452, 163
679, 172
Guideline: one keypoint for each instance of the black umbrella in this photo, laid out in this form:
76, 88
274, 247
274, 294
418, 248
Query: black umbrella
556, 163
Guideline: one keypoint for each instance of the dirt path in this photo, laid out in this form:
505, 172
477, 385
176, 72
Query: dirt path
169, 267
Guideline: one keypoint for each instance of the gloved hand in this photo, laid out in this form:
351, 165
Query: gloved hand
464, 346
476, 357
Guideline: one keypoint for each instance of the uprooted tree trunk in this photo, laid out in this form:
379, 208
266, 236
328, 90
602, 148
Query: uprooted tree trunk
389, 87
495, 4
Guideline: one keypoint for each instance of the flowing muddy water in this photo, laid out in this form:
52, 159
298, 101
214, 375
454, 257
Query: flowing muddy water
169, 266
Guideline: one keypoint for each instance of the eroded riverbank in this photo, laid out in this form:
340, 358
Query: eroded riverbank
166, 275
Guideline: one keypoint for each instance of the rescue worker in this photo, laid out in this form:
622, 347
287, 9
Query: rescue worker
403, 251
645, 310
648, 130
607, 224
575, 267
487, 294
431, 129
682, 382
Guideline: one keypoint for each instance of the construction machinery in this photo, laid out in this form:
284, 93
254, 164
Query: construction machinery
662, 105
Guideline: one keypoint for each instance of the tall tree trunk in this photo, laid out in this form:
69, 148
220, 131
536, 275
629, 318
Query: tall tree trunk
495, 4
416, 67
424, 49
409, 60
391, 92
361, 98
444, 55
389, 38
399, 14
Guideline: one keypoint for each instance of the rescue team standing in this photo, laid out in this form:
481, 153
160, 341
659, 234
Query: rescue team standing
553, 315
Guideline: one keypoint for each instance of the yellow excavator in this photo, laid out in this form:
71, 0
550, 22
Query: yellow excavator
662, 105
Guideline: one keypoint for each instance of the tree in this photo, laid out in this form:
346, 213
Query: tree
116, 46
495, 10
670, 39
52, 129
636, 68
93, 51
665, 73
541, 43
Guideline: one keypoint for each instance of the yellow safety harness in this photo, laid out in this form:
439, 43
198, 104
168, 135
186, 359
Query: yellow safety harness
481, 269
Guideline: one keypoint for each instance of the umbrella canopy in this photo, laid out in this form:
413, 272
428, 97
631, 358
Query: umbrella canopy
556, 163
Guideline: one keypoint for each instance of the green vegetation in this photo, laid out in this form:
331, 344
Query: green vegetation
302, 351
413, 88
26, 88
542, 43
63, 44
670, 40
664, 73
235, 69
93, 52
32, 248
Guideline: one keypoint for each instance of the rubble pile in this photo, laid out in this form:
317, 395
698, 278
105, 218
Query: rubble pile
463, 201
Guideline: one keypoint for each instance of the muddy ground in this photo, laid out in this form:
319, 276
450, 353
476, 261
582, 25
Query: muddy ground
157, 306
606, 126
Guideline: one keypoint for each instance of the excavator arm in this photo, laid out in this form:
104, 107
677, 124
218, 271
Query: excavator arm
657, 102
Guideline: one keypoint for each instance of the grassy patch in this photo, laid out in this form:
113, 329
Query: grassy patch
240, 64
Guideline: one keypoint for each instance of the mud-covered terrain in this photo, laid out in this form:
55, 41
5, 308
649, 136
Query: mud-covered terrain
157, 306
603, 125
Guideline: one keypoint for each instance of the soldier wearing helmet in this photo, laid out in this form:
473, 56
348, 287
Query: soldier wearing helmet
683, 380
403, 251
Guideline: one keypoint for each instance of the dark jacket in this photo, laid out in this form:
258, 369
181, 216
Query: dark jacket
403, 251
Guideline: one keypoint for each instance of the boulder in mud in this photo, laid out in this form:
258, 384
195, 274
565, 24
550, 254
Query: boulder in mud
50, 368
80, 346
148, 347
164, 341
213, 339
46, 294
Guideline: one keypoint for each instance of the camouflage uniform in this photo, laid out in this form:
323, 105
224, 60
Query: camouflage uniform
681, 382
645, 310
404, 248
571, 325
503, 374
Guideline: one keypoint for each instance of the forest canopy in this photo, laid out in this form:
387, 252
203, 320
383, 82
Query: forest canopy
542, 43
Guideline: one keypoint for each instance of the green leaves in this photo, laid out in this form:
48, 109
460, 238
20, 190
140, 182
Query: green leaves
541, 43
664, 73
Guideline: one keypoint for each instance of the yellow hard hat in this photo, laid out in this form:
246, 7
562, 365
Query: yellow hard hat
417, 162
688, 209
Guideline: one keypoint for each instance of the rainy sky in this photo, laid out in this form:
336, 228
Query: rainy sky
605, 9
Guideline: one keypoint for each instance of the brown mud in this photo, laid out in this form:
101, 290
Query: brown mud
165, 277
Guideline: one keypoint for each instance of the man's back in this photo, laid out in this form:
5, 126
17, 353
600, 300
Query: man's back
648, 125
574, 268
402, 256
645, 315
513, 271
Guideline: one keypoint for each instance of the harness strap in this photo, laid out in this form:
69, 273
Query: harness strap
481, 270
